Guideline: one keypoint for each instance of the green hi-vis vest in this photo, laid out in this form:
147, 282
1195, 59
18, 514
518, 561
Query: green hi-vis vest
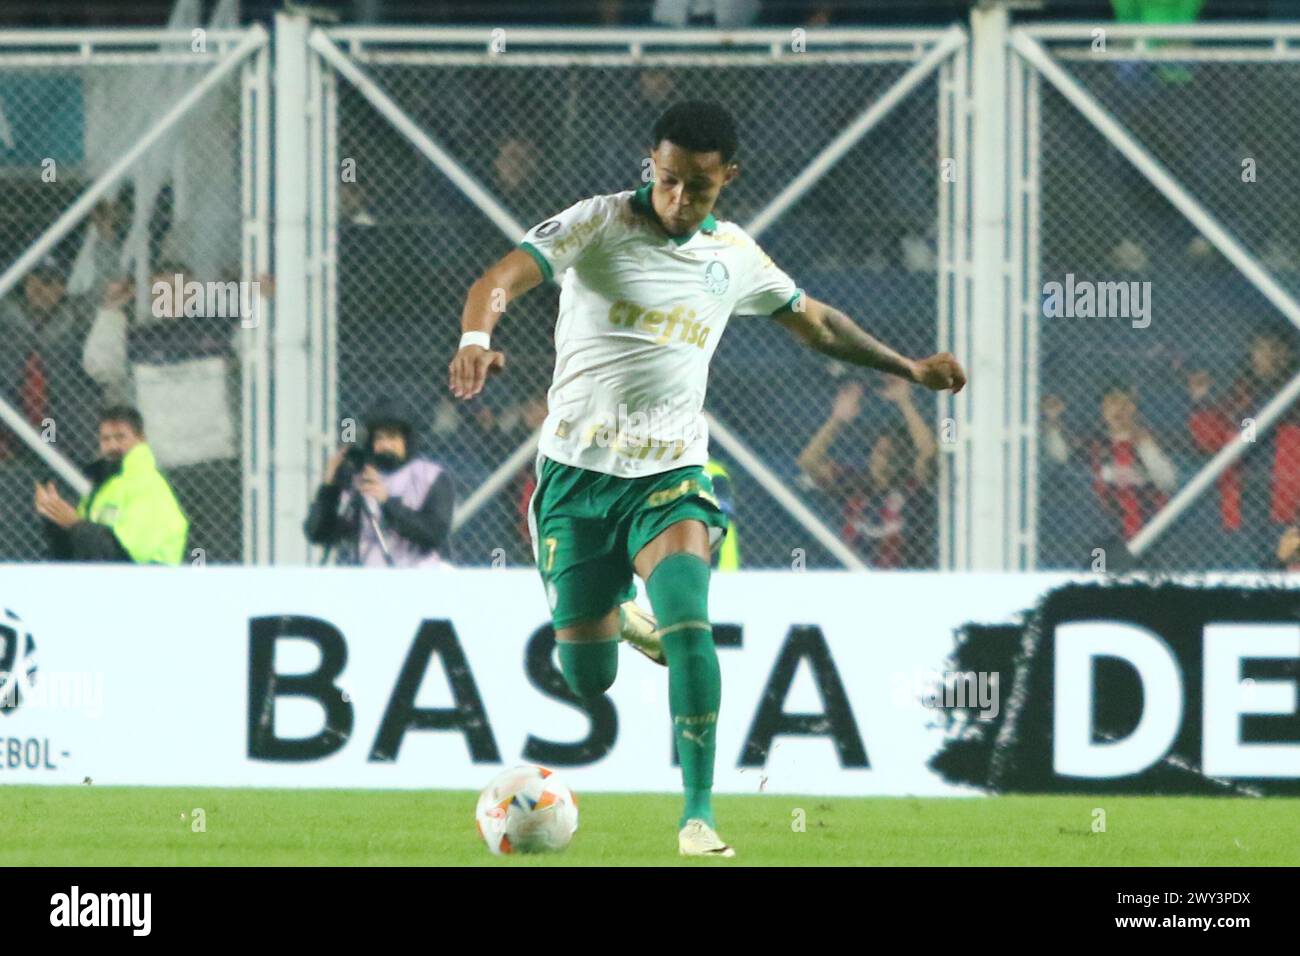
728, 557
140, 507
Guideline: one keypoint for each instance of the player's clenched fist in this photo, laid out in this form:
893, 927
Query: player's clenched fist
471, 367
939, 373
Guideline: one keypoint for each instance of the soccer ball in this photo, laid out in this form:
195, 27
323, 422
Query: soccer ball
526, 810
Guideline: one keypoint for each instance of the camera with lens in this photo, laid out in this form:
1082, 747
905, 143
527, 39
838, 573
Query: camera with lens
354, 460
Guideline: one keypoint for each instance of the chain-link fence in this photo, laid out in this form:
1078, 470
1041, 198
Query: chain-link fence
1156, 352
539, 127
117, 226
1162, 315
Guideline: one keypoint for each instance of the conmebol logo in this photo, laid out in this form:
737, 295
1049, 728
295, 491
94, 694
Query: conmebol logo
17, 662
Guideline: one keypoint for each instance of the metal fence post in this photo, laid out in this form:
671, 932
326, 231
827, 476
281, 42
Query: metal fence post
988, 489
290, 425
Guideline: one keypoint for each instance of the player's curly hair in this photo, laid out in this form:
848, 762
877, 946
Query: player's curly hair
701, 126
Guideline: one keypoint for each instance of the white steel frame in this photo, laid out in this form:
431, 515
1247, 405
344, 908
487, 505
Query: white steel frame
983, 498
346, 50
988, 304
229, 50
952, 286
1232, 43
255, 353
296, 355
322, 254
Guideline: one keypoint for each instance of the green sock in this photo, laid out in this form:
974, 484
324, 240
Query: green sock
678, 589
589, 666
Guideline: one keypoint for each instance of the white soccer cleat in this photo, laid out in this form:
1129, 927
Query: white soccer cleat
697, 838
640, 630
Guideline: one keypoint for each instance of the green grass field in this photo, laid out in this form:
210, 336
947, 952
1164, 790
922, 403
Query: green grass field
106, 826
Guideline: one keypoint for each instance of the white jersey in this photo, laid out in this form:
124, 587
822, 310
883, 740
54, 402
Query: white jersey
640, 316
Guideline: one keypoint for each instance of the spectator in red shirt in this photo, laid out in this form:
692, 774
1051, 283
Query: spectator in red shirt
1132, 475
1266, 479
880, 504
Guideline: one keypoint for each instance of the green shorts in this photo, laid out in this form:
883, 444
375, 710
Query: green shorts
587, 527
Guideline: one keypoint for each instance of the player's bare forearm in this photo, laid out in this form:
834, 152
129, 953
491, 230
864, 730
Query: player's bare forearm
507, 279
829, 331
842, 338
484, 306
512, 276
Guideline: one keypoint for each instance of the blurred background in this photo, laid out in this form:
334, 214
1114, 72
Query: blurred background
108, 13
1121, 417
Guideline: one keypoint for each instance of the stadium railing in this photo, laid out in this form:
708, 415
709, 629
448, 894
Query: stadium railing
130, 152
935, 184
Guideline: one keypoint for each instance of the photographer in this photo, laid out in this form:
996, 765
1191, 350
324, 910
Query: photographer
384, 506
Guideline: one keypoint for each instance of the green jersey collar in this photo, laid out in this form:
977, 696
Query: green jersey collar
641, 201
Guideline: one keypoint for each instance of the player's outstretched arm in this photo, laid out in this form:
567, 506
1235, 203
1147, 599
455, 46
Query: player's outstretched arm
511, 276
829, 331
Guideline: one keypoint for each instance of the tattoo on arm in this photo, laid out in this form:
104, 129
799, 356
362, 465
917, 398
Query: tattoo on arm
844, 339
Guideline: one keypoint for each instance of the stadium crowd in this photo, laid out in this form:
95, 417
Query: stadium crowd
1114, 444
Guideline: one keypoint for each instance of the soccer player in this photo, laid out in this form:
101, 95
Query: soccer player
649, 278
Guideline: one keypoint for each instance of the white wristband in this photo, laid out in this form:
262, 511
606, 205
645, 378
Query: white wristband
481, 339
